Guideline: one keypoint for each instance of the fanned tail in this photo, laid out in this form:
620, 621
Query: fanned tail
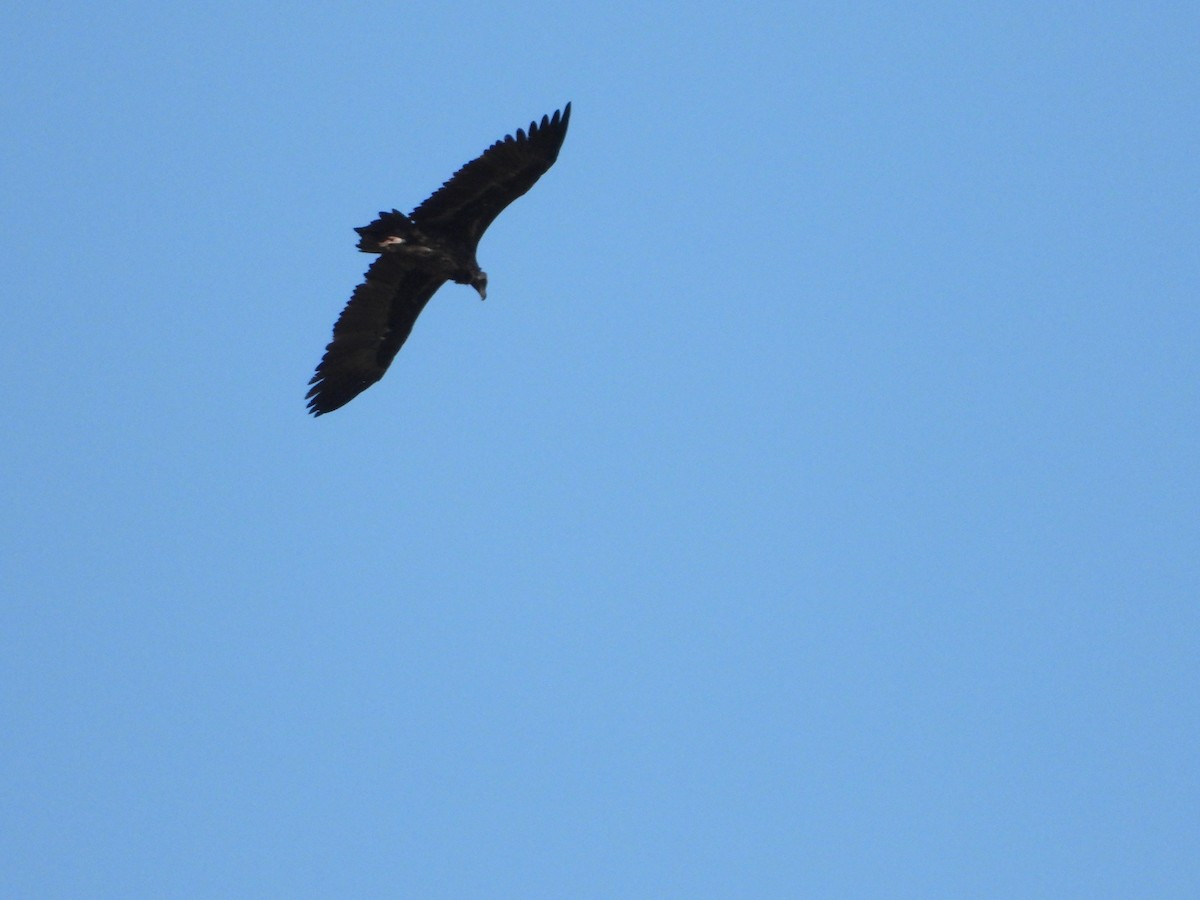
390, 230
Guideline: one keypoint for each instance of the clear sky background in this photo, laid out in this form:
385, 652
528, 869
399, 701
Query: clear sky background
810, 510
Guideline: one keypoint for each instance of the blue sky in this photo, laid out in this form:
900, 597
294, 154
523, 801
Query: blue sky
811, 509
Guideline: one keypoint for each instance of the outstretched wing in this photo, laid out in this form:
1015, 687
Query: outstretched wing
370, 331
465, 205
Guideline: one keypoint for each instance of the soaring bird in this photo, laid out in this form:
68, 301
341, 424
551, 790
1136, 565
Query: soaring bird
420, 252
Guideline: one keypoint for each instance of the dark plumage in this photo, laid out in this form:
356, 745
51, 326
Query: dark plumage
418, 253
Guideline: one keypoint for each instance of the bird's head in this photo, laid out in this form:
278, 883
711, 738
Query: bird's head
479, 282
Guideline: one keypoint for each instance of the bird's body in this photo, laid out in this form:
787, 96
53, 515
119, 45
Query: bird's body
397, 235
418, 253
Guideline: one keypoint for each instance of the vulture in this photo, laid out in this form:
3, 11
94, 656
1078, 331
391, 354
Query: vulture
420, 252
